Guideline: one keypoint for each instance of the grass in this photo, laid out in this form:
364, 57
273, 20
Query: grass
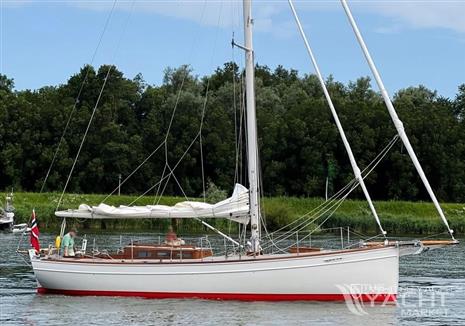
397, 217
45, 205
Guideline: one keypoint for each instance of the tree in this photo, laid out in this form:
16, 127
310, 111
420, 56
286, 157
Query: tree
198, 126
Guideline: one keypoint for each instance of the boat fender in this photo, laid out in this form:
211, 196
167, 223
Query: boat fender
57, 242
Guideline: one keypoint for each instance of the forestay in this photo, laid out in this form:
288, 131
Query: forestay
234, 208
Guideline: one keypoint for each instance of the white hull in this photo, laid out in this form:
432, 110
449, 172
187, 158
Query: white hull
6, 223
325, 276
21, 228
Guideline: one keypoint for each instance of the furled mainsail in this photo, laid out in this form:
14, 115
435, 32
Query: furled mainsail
234, 208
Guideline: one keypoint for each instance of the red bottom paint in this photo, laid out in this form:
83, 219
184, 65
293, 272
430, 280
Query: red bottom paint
228, 296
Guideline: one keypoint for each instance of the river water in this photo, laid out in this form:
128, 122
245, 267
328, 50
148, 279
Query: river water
432, 292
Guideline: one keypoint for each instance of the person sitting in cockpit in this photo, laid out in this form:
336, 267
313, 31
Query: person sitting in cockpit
67, 244
170, 236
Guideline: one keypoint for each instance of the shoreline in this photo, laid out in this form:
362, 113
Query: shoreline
397, 217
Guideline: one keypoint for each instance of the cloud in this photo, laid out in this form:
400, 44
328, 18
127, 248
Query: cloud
209, 12
225, 13
390, 29
205, 12
267, 14
13, 3
417, 14
420, 14
403, 14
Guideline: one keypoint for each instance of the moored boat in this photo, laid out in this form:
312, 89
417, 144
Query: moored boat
7, 214
368, 270
21, 228
369, 273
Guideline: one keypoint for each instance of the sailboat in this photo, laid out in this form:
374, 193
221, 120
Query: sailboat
369, 270
7, 214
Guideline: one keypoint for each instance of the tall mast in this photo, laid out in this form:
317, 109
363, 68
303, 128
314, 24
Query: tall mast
252, 144
353, 162
395, 118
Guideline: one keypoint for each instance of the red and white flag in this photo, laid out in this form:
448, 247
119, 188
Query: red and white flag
34, 232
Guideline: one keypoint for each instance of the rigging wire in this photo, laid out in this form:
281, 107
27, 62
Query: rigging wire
287, 235
365, 239
234, 104
242, 122
334, 205
238, 130
202, 118
337, 195
163, 143
199, 135
435, 235
94, 110
105, 27
334, 113
206, 100
134, 171
355, 184
198, 218
158, 195
169, 175
235, 18
394, 117
369, 168
331, 211
322, 209
234, 113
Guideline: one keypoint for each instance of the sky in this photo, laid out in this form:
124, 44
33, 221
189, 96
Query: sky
44, 42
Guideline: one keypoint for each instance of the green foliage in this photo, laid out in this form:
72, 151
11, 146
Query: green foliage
277, 214
6, 84
398, 217
213, 194
299, 144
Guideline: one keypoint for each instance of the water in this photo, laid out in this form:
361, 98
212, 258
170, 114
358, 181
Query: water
432, 292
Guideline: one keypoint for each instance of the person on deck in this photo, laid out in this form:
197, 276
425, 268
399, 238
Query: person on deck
67, 244
171, 235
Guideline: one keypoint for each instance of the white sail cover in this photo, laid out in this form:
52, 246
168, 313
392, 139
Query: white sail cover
235, 208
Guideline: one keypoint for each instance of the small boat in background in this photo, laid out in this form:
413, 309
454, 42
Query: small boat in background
267, 266
21, 228
7, 213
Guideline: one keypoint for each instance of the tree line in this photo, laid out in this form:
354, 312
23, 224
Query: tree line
300, 148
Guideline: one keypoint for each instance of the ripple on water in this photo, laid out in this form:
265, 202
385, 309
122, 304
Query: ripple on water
442, 270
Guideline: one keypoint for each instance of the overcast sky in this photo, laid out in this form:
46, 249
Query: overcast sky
44, 42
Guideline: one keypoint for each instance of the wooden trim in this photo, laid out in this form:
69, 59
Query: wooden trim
246, 259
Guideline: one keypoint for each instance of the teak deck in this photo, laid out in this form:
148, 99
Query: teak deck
162, 252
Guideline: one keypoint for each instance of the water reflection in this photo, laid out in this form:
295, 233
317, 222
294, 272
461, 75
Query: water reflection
440, 270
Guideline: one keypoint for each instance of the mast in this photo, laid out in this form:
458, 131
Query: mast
252, 144
353, 162
395, 118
